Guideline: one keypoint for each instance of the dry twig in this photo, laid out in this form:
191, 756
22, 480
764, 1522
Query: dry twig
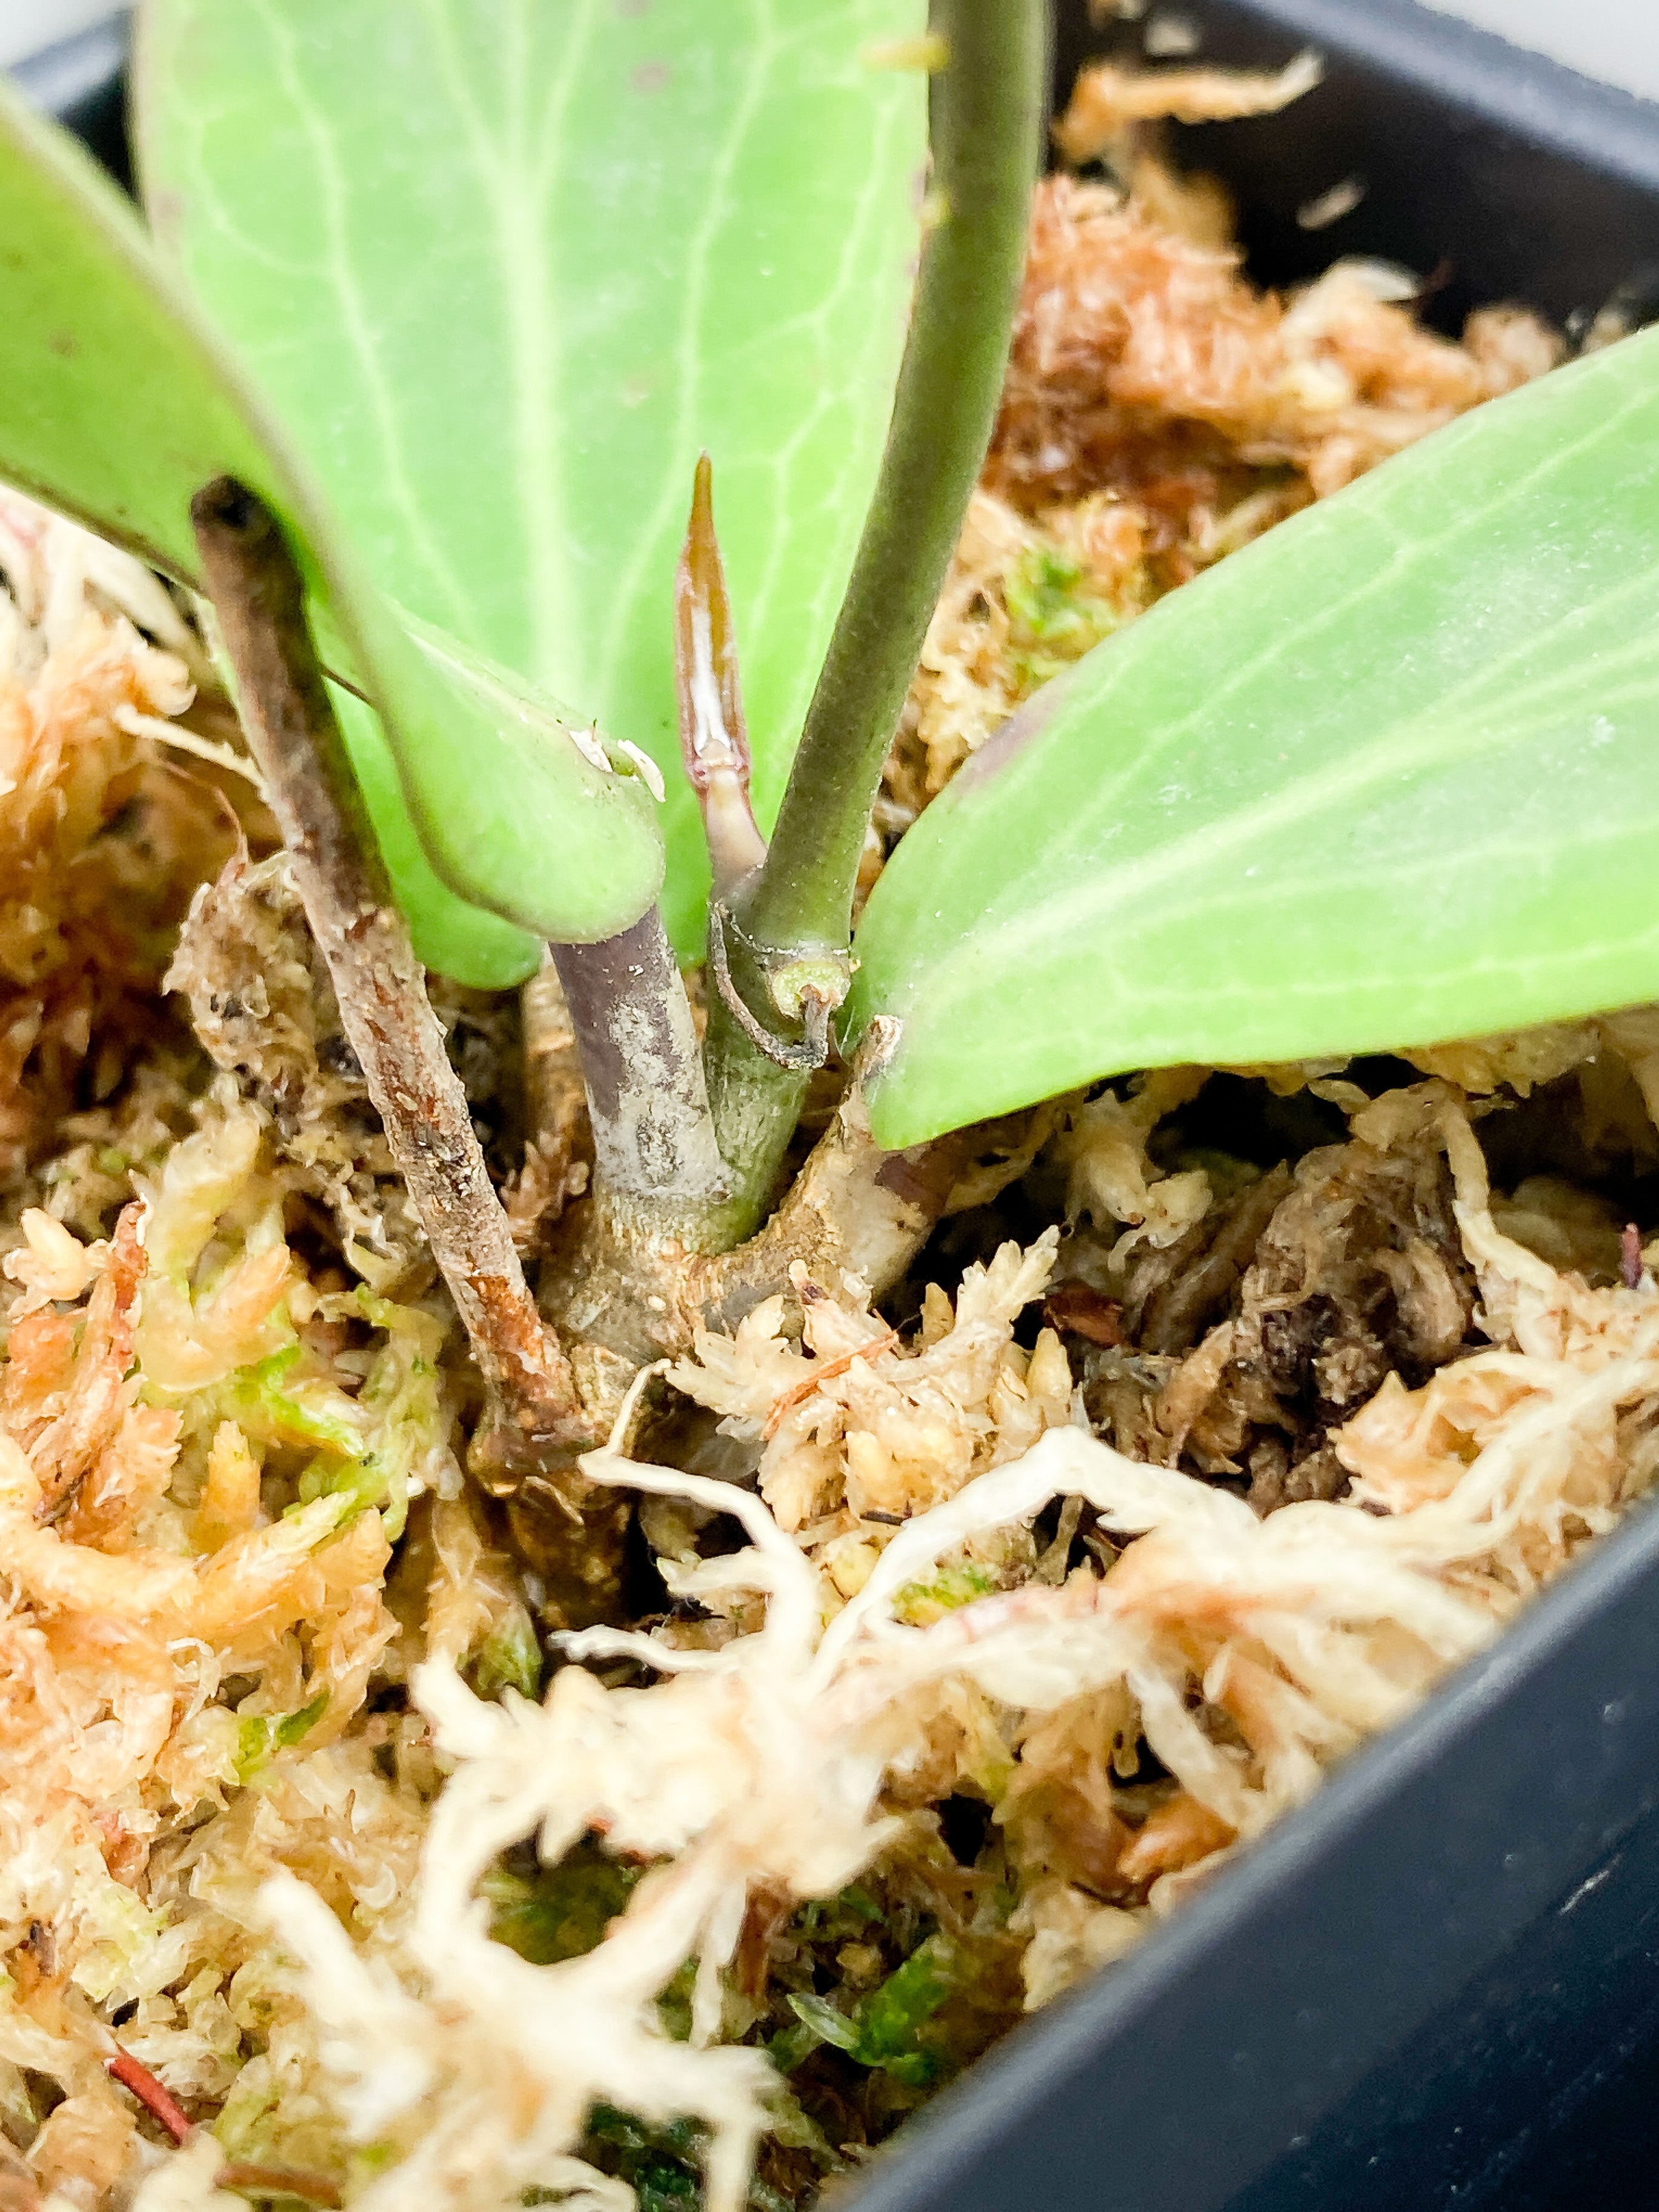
535, 1410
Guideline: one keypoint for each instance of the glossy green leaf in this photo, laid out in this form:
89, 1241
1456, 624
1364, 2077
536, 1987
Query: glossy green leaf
506, 266
1388, 776
116, 406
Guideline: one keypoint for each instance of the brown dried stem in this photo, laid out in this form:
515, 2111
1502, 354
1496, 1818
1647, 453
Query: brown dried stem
535, 1410
713, 736
155, 2098
559, 1162
258, 2181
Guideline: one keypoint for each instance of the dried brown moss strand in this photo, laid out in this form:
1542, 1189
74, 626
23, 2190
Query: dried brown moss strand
156, 2099
260, 598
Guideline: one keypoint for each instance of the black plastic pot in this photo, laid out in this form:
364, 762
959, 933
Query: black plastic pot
1437, 1984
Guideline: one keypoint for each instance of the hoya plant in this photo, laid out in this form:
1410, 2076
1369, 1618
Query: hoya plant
418, 391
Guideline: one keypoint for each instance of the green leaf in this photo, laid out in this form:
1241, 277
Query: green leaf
1388, 776
507, 268
885, 2028
827, 2023
892, 2016
116, 405
455, 938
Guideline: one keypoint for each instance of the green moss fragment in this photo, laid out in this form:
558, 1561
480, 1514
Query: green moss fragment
919, 1604
825, 2023
260, 1736
885, 2029
362, 1480
307, 1412
1053, 620
838, 1919
369, 1448
510, 1657
892, 2018
558, 1911
663, 2165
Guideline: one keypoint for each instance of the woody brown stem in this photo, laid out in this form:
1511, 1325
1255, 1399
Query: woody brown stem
534, 1408
559, 1162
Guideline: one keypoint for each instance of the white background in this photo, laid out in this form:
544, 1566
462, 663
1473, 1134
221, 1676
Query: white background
26, 26
1618, 40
